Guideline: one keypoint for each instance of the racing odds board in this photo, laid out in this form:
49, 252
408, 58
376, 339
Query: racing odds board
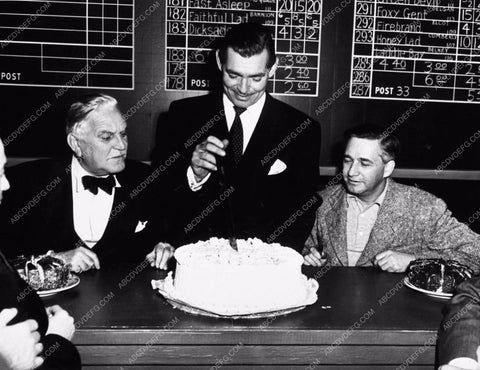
416, 50
193, 26
77, 43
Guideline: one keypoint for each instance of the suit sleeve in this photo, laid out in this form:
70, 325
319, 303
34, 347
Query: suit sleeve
449, 239
314, 240
172, 156
297, 202
459, 335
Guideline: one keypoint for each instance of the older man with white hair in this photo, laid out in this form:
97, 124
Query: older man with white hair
87, 208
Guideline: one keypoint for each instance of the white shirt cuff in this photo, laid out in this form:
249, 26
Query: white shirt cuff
192, 182
464, 363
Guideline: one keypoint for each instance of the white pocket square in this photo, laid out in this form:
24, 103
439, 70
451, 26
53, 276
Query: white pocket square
277, 167
140, 226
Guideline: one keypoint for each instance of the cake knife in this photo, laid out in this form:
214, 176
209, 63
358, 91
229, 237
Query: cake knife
223, 184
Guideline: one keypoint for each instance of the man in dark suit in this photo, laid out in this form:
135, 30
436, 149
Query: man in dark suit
90, 208
242, 150
32, 336
459, 335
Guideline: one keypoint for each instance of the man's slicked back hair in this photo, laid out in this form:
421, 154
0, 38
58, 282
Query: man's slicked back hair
248, 39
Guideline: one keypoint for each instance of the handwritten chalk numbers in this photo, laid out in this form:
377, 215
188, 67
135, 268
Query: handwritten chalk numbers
364, 22
402, 91
177, 13
176, 54
362, 63
176, 27
473, 95
400, 64
361, 76
360, 90
365, 8
314, 6
363, 36
177, 2
193, 28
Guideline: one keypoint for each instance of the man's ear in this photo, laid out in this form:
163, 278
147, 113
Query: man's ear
273, 68
217, 57
74, 145
388, 169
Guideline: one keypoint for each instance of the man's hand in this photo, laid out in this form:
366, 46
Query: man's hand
60, 322
203, 158
19, 344
393, 261
80, 259
312, 257
463, 363
160, 255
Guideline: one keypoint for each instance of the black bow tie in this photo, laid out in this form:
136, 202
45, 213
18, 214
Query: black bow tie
92, 184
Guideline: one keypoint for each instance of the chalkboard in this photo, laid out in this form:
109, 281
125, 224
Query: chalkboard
433, 133
87, 44
416, 50
192, 28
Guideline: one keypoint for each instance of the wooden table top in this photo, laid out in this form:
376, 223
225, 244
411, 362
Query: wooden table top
365, 297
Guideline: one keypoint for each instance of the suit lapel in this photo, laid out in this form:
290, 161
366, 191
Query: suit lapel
382, 231
59, 210
336, 221
220, 128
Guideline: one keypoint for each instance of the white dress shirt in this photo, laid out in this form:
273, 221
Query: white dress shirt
90, 212
360, 220
249, 119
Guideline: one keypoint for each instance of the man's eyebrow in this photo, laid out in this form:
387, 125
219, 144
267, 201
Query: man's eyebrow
366, 160
101, 132
229, 71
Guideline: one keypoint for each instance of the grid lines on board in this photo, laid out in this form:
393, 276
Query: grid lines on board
85, 44
416, 50
193, 26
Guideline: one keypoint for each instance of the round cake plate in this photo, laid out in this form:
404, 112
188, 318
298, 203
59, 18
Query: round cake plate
439, 295
166, 288
198, 311
72, 282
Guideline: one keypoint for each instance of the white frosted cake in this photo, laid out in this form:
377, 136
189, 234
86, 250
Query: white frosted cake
259, 277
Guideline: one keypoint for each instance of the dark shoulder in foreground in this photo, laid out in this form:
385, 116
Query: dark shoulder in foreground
285, 110
38, 171
201, 101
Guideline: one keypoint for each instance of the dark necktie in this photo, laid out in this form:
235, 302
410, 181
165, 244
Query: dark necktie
92, 184
236, 135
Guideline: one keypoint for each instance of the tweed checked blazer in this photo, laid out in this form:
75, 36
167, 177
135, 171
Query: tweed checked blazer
409, 220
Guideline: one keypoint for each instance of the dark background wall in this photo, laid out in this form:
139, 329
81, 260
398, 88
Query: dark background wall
429, 136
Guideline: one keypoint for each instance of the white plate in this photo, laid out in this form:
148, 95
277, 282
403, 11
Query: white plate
167, 289
430, 293
73, 281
